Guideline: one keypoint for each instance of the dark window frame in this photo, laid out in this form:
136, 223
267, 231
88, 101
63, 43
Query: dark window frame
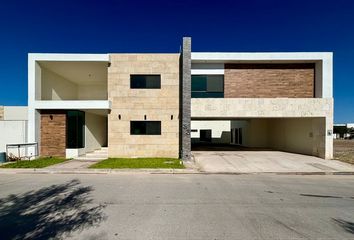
144, 129
205, 93
75, 129
142, 85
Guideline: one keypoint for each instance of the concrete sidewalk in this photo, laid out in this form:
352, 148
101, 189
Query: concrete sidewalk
74, 164
216, 162
96, 171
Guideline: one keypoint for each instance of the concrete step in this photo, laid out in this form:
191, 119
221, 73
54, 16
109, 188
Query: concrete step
98, 152
95, 153
84, 158
95, 156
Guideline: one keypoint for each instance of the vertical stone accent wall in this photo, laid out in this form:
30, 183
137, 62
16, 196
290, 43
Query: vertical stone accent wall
53, 133
185, 130
133, 104
269, 80
1, 113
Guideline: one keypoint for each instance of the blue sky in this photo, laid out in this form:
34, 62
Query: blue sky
158, 26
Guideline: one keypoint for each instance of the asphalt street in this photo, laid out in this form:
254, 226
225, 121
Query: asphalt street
181, 206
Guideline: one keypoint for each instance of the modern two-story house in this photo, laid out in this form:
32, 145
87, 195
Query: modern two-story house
159, 105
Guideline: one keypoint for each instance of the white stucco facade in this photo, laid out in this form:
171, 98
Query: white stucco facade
57, 92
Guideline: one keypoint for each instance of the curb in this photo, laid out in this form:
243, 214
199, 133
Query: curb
95, 171
158, 171
281, 173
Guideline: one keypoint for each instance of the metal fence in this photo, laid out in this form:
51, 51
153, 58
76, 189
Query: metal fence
21, 151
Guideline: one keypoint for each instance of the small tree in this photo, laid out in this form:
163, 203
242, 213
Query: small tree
351, 132
341, 130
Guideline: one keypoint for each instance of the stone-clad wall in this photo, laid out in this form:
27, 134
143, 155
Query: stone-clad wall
185, 110
1, 113
53, 133
133, 104
269, 80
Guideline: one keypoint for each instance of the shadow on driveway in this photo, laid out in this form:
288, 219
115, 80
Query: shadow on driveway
346, 225
50, 212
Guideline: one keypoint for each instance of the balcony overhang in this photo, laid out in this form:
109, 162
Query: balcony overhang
73, 104
234, 108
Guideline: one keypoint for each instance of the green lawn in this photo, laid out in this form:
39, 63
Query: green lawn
37, 163
139, 163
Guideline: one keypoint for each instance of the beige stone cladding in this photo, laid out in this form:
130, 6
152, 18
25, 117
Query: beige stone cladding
1, 113
133, 104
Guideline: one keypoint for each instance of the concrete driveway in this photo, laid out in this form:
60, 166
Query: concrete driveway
265, 161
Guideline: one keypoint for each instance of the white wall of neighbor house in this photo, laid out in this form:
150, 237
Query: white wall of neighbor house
13, 126
12, 132
15, 112
220, 130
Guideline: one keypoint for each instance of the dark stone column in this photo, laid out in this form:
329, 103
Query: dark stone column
185, 100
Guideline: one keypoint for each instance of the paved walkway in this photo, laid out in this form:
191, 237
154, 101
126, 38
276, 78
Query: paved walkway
265, 161
74, 164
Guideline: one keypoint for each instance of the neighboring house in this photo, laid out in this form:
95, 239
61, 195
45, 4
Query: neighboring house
151, 105
343, 131
13, 125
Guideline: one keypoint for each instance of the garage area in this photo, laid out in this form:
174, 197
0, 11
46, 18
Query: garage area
295, 135
261, 145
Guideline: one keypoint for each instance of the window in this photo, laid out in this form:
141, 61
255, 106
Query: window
207, 86
75, 131
145, 81
145, 128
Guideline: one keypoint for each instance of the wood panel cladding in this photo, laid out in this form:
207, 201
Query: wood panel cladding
269, 80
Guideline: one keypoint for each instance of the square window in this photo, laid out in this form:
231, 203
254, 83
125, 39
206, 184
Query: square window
145, 127
145, 81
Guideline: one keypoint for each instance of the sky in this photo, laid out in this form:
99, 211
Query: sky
102, 26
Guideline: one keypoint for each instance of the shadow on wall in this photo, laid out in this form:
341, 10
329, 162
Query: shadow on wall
346, 225
50, 212
225, 138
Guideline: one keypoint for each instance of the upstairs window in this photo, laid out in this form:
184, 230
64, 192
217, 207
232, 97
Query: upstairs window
145, 81
145, 128
207, 86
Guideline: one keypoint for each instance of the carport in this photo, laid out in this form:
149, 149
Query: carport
294, 135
